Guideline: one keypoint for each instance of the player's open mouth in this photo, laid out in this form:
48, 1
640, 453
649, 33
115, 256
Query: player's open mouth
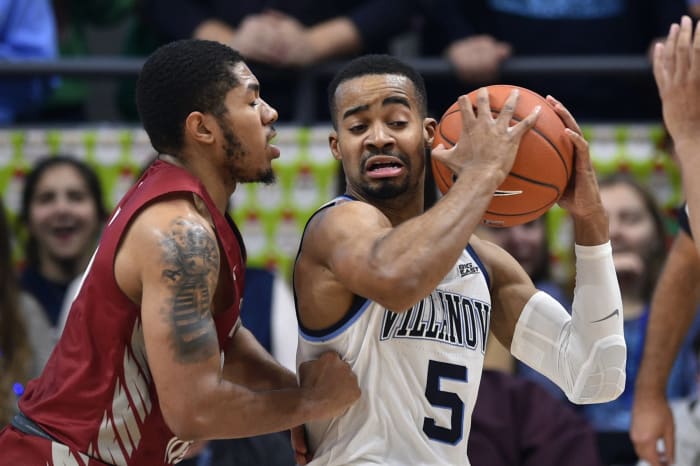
275, 150
384, 166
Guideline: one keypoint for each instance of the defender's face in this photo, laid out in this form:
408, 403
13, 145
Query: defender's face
381, 137
246, 130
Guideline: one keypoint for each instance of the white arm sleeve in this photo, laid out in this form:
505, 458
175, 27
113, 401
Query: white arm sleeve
584, 353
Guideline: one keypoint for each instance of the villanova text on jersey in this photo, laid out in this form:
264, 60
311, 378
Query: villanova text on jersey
443, 316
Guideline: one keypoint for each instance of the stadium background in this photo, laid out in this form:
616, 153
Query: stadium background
271, 218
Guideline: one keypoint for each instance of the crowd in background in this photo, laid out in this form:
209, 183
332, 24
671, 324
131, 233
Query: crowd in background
280, 38
62, 209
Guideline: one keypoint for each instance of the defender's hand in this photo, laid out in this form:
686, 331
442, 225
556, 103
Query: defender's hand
331, 384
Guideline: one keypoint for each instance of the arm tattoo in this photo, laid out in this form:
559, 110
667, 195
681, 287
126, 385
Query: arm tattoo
191, 266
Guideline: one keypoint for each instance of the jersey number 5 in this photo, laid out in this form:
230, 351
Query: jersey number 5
436, 371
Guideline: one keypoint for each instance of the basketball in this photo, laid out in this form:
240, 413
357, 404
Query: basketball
543, 164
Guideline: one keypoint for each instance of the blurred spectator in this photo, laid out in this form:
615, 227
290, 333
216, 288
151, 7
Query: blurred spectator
283, 33
22, 353
639, 249
477, 36
62, 211
518, 423
73, 18
529, 245
27, 32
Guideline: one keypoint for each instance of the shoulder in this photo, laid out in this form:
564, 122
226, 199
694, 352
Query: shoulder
170, 228
173, 212
346, 219
488, 252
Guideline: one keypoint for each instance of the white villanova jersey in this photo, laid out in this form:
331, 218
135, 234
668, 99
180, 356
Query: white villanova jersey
419, 372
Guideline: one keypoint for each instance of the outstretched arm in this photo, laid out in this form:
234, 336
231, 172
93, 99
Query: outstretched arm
174, 253
677, 74
673, 308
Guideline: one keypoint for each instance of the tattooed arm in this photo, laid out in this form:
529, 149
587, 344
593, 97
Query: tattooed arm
168, 262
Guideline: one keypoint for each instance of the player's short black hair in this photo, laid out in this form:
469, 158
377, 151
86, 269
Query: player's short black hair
179, 78
376, 64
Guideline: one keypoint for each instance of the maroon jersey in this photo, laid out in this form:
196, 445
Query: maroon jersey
96, 394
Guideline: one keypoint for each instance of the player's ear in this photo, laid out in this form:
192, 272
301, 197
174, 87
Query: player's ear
334, 144
429, 128
198, 127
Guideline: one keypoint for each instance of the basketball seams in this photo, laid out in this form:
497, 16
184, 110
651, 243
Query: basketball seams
517, 119
519, 214
538, 159
534, 129
544, 137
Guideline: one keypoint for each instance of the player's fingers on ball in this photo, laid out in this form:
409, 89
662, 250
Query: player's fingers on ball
483, 107
506, 113
530, 120
580, 143
564, 114
582, 156
440, 153
466, 110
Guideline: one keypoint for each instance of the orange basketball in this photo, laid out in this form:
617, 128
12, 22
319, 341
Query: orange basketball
542, 167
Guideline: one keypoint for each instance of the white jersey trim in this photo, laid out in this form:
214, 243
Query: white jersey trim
339, 330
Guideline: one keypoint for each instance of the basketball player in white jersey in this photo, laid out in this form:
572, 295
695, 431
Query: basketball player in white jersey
406, 295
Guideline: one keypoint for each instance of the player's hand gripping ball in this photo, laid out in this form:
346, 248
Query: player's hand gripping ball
542, 167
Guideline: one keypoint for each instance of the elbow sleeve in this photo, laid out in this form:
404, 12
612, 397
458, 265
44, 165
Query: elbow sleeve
585, 353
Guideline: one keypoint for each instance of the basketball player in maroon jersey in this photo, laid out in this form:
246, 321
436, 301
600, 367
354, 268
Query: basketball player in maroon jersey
153, 355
